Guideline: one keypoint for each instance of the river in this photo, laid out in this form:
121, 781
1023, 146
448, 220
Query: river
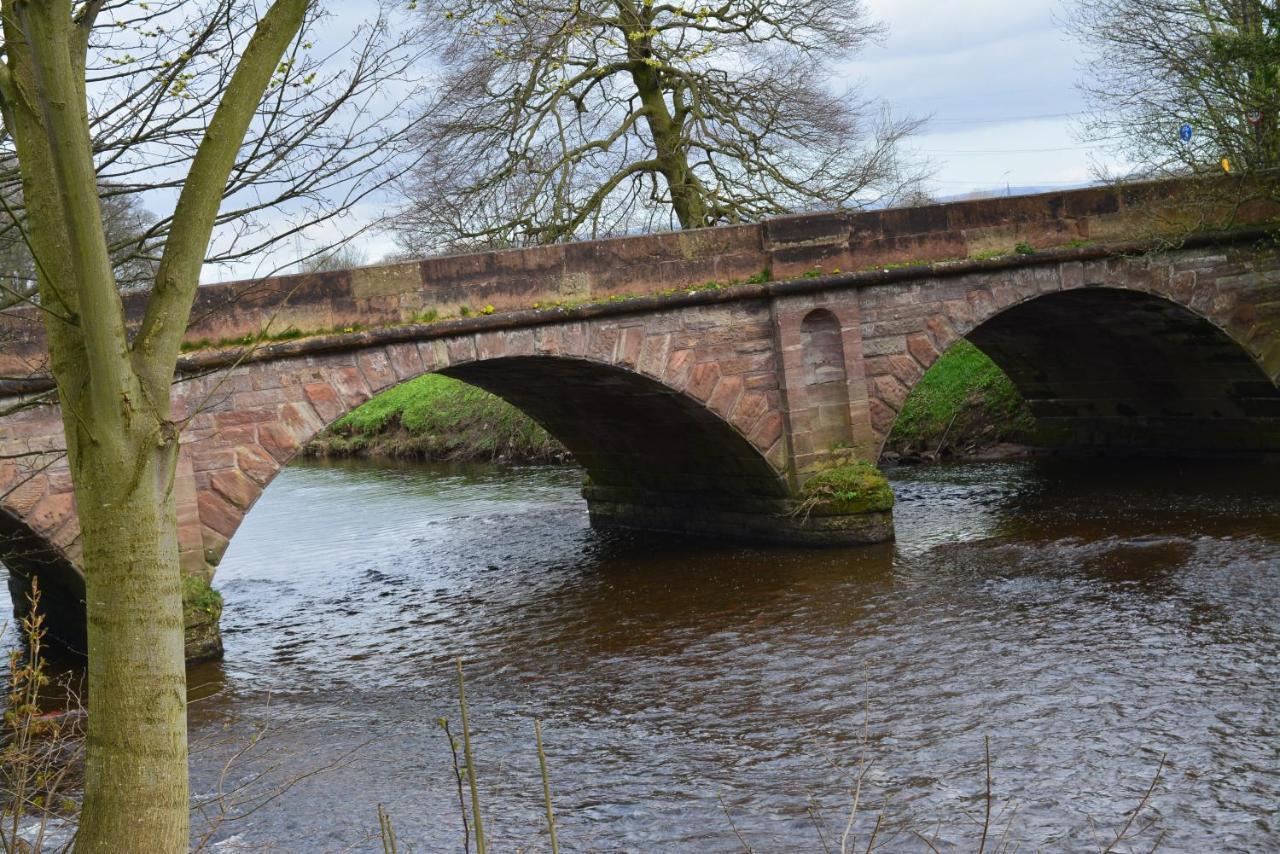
1084, 619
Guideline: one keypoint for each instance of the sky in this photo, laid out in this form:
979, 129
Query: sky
995, 79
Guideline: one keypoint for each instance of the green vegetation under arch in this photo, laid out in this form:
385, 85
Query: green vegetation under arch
963, 404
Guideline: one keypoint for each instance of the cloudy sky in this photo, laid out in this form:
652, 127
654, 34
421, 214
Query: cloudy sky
997, 79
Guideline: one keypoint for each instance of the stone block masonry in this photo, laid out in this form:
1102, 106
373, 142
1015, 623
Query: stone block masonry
699, 409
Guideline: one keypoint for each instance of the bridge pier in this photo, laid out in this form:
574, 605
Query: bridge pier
789, 521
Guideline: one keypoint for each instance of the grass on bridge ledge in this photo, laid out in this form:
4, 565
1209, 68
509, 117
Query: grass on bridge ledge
433, 315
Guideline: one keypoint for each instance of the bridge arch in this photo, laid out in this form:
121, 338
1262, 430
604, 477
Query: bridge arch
1125, 354
650, 452
675, 415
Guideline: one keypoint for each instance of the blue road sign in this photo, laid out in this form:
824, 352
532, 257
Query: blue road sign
1184, 133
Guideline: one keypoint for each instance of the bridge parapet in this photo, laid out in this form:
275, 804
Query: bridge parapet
591, 271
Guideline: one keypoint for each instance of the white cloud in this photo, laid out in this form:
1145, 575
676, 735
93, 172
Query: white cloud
998, 79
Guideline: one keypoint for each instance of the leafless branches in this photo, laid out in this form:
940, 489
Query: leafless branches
561, 119
1154, 65
333, 130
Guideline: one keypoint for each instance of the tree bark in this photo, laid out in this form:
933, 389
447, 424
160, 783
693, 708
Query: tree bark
122, 446
688, 194
136, 769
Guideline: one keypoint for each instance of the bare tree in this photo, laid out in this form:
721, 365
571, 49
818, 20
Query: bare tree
332, 132
1155, 65
227, 106
342, 256
564, 119
124, 221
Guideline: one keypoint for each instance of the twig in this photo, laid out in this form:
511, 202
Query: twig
1138, 809
817, 823
862, 771
1003, 845
922, 838
986, 821
546, 787
471, 766
746, 846
946, 433
457, 775
875, 831
387, 831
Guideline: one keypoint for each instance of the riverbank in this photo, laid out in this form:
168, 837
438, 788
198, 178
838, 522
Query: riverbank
433, 418
963, 407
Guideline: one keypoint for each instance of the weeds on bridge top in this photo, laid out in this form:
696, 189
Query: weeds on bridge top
265, 337
434, 315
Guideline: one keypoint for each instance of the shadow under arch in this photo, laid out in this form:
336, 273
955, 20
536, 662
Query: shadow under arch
654, 457
1116, 369
26, 555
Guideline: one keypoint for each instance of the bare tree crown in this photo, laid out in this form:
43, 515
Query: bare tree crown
565, 119
331, 132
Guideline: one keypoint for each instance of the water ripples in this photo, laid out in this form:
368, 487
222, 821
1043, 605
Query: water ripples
1086, 619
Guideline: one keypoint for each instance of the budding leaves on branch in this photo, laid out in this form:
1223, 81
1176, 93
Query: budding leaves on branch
1153, 65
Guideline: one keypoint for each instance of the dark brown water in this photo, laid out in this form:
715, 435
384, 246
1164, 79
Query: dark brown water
1088, 618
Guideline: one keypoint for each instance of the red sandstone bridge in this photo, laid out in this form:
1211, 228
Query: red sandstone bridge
699, 376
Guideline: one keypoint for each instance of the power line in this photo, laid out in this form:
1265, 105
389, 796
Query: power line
978, 182
1007, 119
986, 151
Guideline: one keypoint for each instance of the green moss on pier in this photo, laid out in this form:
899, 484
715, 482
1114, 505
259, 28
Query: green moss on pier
201, 612
851, 489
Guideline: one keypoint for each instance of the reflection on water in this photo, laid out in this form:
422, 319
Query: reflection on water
1087, 618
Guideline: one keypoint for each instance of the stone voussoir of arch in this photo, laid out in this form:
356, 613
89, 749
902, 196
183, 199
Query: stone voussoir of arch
698, 404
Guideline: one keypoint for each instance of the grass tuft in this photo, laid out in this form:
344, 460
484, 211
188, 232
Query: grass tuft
855, 487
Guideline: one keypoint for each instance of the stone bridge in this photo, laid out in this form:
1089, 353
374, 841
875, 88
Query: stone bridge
699, 377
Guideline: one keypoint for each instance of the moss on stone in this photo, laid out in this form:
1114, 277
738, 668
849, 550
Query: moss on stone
201, 612
851, 488
199, 600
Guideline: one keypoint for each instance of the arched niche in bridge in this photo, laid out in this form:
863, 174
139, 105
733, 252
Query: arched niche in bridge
1112, 368
826, 383
630, 432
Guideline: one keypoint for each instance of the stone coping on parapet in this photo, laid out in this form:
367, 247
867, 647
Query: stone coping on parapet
781, 248
327, 342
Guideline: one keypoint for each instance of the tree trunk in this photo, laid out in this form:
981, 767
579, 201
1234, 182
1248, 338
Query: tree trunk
114, 395
688, 194
136, 770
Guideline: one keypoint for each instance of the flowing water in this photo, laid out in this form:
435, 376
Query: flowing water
1086, 619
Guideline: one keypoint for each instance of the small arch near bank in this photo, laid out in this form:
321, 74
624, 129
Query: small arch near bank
1130, 356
